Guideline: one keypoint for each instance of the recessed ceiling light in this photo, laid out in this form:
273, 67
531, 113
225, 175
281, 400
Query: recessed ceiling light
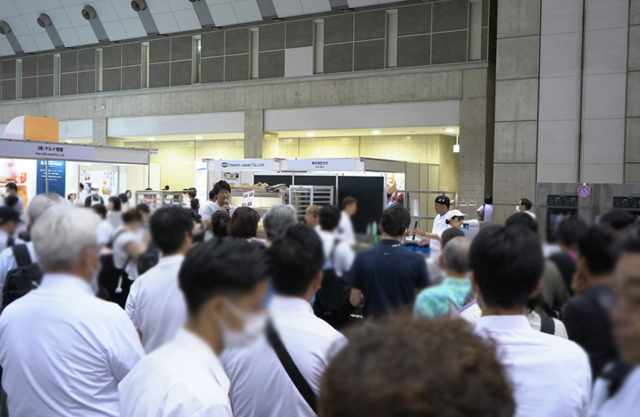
376, 132
310, 134
68, 141
450, 130
198, 137
152, 138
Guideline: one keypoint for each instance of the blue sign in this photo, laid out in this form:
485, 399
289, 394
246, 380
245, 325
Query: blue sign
57, 177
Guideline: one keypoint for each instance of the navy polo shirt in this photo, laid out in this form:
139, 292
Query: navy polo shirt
388, 276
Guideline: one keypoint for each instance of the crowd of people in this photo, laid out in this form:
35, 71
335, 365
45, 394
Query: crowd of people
181, 310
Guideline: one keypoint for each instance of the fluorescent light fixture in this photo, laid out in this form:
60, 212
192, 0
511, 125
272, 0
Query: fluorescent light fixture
310, 134
450, 130
456, 148
152, 138
376, 132
68, 141
198, 137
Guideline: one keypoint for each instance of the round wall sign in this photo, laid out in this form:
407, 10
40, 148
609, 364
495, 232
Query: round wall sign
584, 191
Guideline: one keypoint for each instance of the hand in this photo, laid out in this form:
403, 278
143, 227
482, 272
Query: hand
417, 231
423, 242
226, 208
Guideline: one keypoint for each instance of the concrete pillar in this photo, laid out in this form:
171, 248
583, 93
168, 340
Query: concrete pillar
100, 131
253, 133
270, 145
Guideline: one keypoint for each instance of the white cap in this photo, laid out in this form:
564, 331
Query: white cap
454, 213
71, 192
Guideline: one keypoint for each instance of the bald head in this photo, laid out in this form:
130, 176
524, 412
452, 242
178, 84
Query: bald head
456, 256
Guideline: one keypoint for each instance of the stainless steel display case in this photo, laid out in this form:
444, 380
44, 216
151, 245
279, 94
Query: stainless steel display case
619, 197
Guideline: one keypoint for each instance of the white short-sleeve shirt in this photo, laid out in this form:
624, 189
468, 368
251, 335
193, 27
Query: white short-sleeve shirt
120, 255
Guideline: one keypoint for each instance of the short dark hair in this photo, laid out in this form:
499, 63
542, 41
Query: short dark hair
244, 223
296, 258
450, 234
219, 186
100, 210
618, 220
206, 271
507, 263
526, 203
12, 186
166, 187
523, 220
80, 186
630, 243
329, 218
123, 198
598, 246
168, 226
570, 230
192, 193
117, 204
195, 203
347, 201
11, 200
425, 368
488, 200
143, 208
395, 220
220, 223
132, 216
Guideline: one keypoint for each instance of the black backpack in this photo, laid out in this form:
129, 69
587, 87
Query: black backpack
26, 277
332, 300
148, 259
113, 283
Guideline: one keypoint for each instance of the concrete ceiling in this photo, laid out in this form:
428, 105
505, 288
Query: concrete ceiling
121, 22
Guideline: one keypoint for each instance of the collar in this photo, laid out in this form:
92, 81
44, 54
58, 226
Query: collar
170, 260
290, 305
66, 282
504, 323
326, 233
456, 282
195, 345
390, 242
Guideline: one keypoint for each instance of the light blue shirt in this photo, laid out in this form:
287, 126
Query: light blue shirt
434, 302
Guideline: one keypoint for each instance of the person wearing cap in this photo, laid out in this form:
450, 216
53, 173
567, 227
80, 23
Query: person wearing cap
9, 221
94, 198
442, 205
72, 197
455, 218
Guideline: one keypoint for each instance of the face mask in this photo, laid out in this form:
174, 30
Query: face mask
254, 325
128, 195
517, 209
94, 192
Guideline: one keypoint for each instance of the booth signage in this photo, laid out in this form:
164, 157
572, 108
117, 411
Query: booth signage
57, 177
47, 150
321, 164
153, 151
244, 164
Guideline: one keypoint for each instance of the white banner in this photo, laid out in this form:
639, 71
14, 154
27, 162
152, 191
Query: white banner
46, 150
244, 164
321, 164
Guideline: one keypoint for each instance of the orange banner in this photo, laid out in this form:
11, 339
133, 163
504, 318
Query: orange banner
43, 129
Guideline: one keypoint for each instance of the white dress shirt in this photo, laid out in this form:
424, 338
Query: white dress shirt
183, 378
626, 402
260, 386
343, 255
8, 262
156, 305
63, 351
530, 213
105, 230
345, 230
551, 376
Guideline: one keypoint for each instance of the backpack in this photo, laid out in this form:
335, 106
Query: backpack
113, 283
332, 300
24, 278
148, 259
11, 241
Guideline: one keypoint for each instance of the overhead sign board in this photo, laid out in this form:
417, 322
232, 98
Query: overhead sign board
321, 164
244, 164
35, 150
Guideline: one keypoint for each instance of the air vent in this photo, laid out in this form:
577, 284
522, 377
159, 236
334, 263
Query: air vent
89, 12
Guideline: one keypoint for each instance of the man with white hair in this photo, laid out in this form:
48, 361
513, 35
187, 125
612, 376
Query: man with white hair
277, 220
37, 207
62, 350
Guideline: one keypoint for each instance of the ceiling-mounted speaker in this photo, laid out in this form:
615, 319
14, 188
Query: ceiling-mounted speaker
138, 5
89, 12
44, 20
4, 28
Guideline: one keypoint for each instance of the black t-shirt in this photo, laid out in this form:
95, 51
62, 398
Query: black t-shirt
388, 276
567, 267
587, 322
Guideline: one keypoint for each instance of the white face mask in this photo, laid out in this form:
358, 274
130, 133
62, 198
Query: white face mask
517, 209
254, 325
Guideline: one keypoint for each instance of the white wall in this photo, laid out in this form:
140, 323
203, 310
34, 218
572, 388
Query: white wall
229, 122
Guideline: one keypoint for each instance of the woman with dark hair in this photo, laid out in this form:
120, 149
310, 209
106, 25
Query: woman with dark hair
124, 200
128, 194
244, 224
220, 224
455, 218
114, 207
